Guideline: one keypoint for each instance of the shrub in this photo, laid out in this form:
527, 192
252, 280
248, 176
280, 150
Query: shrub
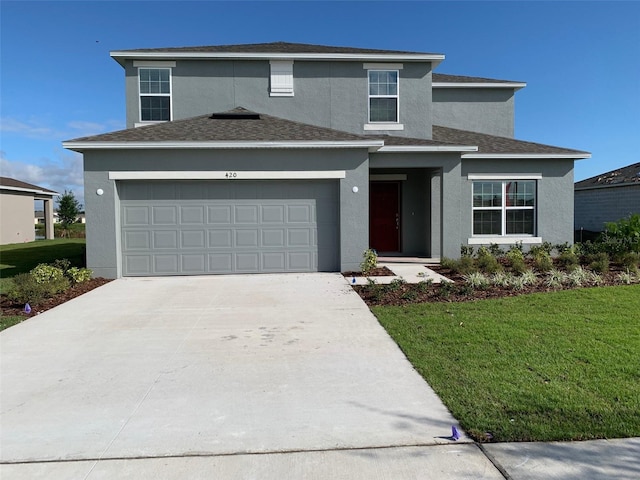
599, 262
78, 275
595, 278
477, 280
463, 266
625, 277
517, 282
624, 235
518, 265
369, 260
466, 250
630, 261
562, 247
396, 284
578, 277
556, 278
488, 263
495, 250
446, 289
529, 277
44, 273
568, 260
515, 253
27, 288
424, 285
500, 279
543, 261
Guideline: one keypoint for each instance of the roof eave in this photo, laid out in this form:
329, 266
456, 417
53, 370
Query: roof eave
121, 56
597, 187
80, 146
574, 156
427, 148
30, 190
511, 85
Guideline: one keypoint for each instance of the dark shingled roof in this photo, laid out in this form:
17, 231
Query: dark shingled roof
393, 141
206, 128
276, 47
12, 182
494, 144
624, 175
445, 78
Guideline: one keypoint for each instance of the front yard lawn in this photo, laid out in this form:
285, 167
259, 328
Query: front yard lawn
548, 366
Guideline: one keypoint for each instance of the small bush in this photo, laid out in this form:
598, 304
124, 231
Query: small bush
44, 273
410, 295
369, 260
466, 250
488, 264
78, 275
446, 289
626, 278
543, 261
463, 266
477, 280
630, 261
529, 277
578, 277
500, 279
599, 262
568, 260
396, 284
27, 288
495, 250
518, 266
556, 278
425, 285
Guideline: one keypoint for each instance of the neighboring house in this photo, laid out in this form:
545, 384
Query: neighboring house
39, 217
285, 157
607, 198
16, 210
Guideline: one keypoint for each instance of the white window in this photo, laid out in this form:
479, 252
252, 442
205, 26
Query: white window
504, 208
383, 96
281, 78
155, 94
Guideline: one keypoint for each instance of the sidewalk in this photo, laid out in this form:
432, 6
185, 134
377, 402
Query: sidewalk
410, 270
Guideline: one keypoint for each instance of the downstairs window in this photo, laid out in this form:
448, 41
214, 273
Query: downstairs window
504, 208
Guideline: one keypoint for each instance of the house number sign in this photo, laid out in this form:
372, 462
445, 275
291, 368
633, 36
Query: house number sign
231, 175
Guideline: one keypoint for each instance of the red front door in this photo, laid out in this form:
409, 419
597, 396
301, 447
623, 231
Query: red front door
384, 216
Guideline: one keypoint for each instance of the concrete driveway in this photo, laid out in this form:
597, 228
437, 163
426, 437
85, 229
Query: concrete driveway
240, 376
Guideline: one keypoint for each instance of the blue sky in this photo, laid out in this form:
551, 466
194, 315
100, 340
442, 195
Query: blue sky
581, 61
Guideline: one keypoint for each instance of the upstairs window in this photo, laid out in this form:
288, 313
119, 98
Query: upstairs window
281, 78
502, 208
383, 96
155, 94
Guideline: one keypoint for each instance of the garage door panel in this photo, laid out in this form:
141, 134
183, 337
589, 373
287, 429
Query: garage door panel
273, 237
163, 239
165, 264
220, 238
219, 214
193, 239
192, 215
135, 215
234, 227
137, 240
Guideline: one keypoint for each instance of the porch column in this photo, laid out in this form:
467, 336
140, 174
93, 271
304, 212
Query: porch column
451, 185
48, 219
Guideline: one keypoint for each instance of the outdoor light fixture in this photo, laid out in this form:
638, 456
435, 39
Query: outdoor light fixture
354, 189
99, 191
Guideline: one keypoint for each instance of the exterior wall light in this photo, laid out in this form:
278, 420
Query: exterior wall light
99, 191
354, 189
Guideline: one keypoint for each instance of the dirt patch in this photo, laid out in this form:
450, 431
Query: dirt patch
376, 272
10, 308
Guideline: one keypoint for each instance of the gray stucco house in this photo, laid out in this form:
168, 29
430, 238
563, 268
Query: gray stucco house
607, 197
284, 157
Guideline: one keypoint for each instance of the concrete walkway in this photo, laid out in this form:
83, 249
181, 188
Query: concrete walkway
411, 271
263, 376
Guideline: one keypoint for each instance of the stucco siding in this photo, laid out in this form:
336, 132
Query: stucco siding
329, 94
16, 218
103, 231
483, 110
554, 209
596, 206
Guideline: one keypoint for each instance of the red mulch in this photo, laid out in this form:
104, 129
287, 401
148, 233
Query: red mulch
9, 308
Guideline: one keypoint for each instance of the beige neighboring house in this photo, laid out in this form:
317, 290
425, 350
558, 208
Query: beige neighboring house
17, 207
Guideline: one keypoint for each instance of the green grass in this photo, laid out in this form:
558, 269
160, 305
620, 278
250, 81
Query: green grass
22, 257
552, 366
10, 321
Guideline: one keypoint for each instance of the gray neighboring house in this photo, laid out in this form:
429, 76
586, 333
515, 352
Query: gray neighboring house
284, 157
607, 197
17, 210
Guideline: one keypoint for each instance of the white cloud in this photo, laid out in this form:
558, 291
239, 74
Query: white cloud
76, 128
58, 174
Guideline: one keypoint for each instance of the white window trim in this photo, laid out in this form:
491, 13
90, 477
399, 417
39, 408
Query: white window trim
281, 68
505, 238
155, 65
504, 176
383, 125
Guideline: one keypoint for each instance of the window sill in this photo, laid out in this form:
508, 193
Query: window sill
504, 240
383, 126
281, 94
144, 124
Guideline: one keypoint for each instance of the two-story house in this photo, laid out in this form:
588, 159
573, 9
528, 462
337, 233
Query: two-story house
285, 157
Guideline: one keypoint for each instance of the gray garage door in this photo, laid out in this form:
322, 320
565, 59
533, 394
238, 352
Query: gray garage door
214, 227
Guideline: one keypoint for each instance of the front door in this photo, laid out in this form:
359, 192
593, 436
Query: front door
384, 216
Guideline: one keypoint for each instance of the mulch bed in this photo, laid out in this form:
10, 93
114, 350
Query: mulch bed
404, 294
9, 308
375, 272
